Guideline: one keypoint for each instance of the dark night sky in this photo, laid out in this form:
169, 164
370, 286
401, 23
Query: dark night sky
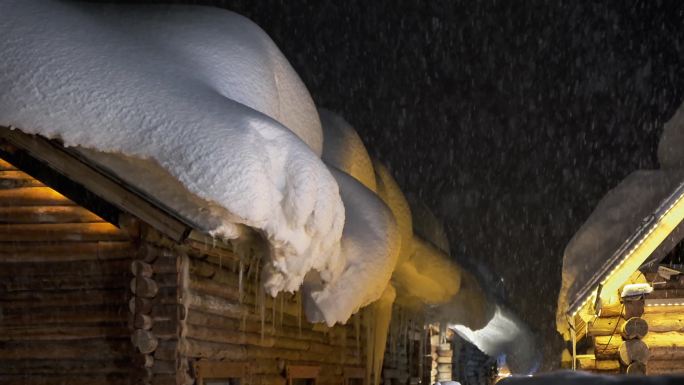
511, 119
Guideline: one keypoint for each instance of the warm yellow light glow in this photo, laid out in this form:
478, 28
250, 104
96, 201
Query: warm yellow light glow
633, 260
667, 222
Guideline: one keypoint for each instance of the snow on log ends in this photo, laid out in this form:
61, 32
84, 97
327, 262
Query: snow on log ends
202, 92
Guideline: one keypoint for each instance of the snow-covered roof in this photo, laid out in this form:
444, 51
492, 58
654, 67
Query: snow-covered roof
622, 220
197, 108
197, 111
617, 217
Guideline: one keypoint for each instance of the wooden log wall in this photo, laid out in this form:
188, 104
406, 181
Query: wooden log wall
154, 316
619, 338
230, 318
64, 276
404, 347
642, 339
666, 328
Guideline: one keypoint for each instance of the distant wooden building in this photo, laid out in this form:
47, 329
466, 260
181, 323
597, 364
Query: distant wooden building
103, 285
621, 307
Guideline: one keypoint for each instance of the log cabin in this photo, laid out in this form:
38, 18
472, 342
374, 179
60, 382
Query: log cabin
621, 306
103, 284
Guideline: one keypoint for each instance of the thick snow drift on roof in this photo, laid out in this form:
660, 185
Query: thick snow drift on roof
390, 193
617, 216
428, 274
343, 149
202, 92
371, 246
505, 335
670, 152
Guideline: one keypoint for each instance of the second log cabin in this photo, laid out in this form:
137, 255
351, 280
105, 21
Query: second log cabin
621, 306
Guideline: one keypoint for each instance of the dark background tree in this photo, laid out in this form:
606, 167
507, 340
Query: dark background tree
510, 119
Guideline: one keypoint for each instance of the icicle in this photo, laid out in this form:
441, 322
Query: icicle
262, 310
256, 283
343, 351
298, 300
368, 317
382, 321
357, 332
282, 307
241, 289
409, 339
273, 315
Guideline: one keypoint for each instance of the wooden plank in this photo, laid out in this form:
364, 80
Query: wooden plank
664, 309
62, 332
665, 322
66, 164
33, 196
22, 252
590, 363
98, 315
221, 369
85, 350
15, 179
607, 347
62, 232
85, 268
62, 366
605, 326
47, 214
63, 283
302, 371
63, 379
48, 298
660, 367
5, 165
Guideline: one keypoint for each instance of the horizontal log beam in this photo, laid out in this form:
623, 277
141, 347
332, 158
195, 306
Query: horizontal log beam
33, 196
69, 232
74, 367
607, 347
18, 252
47, 214
23, 379
63, 283
665, 322
62, 332
661, 367
87, 350
64, 315
49, 269
605, 326
24, 300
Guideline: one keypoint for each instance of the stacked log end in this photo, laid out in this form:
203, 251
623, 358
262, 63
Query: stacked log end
153, 315
665, 337
444, 362
618, 340
434, 346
